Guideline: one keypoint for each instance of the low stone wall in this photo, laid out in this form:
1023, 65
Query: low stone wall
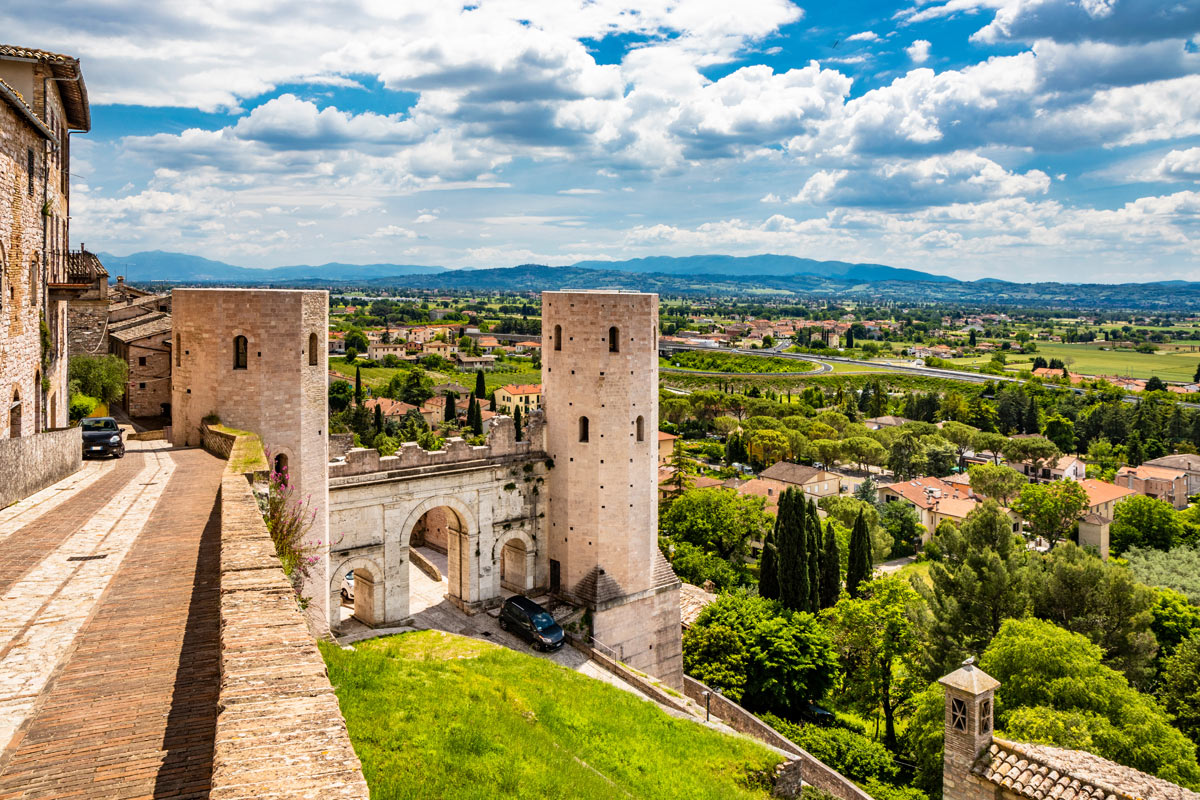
217, 442
29, 464
424, 564
280, 733
812, 770
637, 680
147, 436
501, 443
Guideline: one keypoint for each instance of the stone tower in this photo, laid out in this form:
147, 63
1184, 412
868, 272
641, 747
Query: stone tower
257, 358
969, 707
600, 388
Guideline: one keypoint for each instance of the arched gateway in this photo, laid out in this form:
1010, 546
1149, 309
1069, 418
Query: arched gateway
479, 508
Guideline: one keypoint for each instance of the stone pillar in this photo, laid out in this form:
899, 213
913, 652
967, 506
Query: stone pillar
1093, 534
968, 731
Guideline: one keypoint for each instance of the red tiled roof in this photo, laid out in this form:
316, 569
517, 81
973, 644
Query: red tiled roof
1100, 492
523, 388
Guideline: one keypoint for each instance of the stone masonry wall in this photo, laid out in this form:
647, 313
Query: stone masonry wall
31, 463
20, 250
87, 321
280, 733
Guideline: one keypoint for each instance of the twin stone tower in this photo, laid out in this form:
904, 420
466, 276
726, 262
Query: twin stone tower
258, 360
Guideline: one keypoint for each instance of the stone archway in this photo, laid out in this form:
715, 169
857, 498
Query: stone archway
513, 557
451, 526
370, 590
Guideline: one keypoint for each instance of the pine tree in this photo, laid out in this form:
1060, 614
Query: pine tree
517, 422
451, 411
814, 558
858, 570
357, 386
831, 568
480, 386
768, 569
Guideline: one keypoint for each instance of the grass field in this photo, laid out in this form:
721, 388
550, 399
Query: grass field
1170, 365
379, 376
433, 715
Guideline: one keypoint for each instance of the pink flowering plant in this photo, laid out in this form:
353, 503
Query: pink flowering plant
289, 518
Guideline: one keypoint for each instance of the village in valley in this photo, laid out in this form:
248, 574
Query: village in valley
856, 532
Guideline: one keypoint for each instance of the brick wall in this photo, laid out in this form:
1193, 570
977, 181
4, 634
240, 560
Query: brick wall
31, 463
280, 734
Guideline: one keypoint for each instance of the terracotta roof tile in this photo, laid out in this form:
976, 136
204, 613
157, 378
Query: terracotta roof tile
1040, 771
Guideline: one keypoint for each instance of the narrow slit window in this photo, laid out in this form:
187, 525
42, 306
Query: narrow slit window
312, 350
558, 337
641, 429
240, 352
614, 340
583, 429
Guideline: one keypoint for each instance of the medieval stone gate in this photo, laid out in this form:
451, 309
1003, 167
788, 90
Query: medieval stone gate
481, 506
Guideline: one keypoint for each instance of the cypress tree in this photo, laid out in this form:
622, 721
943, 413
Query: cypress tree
1031, 417
480, 387
451, 410
793, 553
814, 557
477, 419
471, 409
517, 422
358, 386
378, 418
768, 569
831, 568
858, 570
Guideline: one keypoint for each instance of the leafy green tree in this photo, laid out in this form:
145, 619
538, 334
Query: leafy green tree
101, 377
385, 444
831, 568
984, 577
1181, 687
867, 491
1178, 569
357, 339
961, 436
1155, 384
696, 566
682, 468
938, 458
1174, 619
903, 523
845, 509
989, 442
906, 457
1061, 431
996, 481
859, 569
341, 394
1051, 509
877, 639
759, 654
1143, 521
1079, 592
717, 519
1055, 689
922, 742
765, 447
1034, 450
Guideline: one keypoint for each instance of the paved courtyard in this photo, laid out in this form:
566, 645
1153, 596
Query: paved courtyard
109, 642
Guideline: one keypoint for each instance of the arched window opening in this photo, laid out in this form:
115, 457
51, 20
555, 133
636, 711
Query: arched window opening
312, 350
281, 468
583, 429
614, 340
558, 337
178, 348
14, 416
641, 429
240, 352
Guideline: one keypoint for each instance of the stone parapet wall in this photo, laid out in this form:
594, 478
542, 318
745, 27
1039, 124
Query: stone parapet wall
31, 463
501, 443
812, 770
280, 733
219, 443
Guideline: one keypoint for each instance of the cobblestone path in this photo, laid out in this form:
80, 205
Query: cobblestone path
109, 645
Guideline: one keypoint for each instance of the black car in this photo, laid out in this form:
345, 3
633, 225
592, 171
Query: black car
101, 437
531, 622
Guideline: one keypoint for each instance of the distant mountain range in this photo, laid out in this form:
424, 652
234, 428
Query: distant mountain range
763, 276
158, 265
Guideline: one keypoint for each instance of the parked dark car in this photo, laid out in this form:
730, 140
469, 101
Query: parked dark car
102, 437
531, 622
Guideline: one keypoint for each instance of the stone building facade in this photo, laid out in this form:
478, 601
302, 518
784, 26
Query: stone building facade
257, 359
87, 312
600, 389
144, 343
42, 99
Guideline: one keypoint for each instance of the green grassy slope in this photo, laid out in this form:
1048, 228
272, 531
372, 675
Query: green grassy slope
433, 715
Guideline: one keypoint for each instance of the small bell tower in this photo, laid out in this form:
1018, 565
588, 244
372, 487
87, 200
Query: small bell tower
970, 705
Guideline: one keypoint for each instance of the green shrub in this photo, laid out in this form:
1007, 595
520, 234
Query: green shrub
847, 752
82, 406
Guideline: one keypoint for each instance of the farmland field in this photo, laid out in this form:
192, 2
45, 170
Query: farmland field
1170, 365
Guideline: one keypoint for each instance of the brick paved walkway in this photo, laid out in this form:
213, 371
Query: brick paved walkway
129, 708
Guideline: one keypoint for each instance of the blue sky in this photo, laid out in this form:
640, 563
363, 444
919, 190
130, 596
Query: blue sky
1019, 139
